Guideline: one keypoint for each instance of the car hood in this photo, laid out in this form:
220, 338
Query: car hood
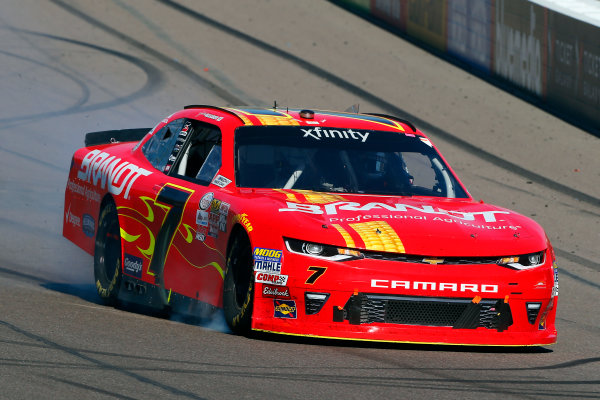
413, 225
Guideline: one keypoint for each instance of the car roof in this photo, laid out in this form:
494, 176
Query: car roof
300, 117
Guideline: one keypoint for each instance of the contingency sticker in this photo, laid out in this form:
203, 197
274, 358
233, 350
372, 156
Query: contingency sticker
221, 181
267, 260
285, 309
273, 279
206, 200
276, 291
133, 265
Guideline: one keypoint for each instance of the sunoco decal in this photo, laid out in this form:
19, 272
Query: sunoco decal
285, 309
133, 265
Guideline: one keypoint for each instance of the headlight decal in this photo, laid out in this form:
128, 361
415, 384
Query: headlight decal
526, 261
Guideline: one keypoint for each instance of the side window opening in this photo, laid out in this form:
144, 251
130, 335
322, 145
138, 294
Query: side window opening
201, 158
160, 146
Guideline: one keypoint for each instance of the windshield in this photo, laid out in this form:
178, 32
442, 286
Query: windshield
341, 160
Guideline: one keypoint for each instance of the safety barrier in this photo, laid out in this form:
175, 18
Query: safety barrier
551, 56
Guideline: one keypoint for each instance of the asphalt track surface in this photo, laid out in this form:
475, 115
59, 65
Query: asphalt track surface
68, 67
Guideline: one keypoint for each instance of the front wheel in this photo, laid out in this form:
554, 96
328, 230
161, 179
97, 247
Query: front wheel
107, 255
238, 285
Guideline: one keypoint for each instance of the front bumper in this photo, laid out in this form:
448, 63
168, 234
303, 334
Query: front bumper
397, 302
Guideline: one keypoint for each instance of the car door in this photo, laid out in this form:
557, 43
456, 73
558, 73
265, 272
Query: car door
185, 260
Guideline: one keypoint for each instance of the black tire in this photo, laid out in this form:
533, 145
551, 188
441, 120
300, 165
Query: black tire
107, 255
239, 285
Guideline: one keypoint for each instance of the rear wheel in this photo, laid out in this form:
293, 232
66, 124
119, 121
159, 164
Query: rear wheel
107, 254
238, 285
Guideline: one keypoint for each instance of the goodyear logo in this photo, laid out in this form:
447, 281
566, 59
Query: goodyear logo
285, 309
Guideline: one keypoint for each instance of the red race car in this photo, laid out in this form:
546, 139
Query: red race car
311, 223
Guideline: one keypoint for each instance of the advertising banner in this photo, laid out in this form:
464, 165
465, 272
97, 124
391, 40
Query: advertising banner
574, 65
358, 5
391, 11
520, 42
470, 32
426, 20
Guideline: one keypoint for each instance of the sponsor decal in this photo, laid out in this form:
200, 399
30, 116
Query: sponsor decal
202, 218
273, 279
206, 200
276, 291
285, 309
201, 233
213, 225
223, 223
318, 133
106, 171
89, 194
72, 219
437, 286
221, 181
267, 260
224, 208
215, 206
243, 219
89, 225
555, 286
209, 116
133, 265
333, 208
217, 219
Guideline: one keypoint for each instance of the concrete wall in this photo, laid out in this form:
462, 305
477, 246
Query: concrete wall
551, 56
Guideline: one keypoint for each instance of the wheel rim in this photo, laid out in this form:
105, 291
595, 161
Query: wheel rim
242, 274
111, 250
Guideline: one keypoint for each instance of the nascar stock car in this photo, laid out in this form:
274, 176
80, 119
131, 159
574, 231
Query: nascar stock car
311, 223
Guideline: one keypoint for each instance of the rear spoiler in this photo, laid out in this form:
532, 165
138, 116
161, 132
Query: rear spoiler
119, 135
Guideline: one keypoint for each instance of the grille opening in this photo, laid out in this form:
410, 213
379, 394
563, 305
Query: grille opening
365, 308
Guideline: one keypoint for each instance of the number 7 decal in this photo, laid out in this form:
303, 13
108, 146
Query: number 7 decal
317, 272
174, 198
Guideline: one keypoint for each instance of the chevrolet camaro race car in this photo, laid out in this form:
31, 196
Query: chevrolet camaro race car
311, 223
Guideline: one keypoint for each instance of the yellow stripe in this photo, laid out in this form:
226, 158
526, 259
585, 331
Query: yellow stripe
320, 198
385, 240
289, 196
401, 341
345, 235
